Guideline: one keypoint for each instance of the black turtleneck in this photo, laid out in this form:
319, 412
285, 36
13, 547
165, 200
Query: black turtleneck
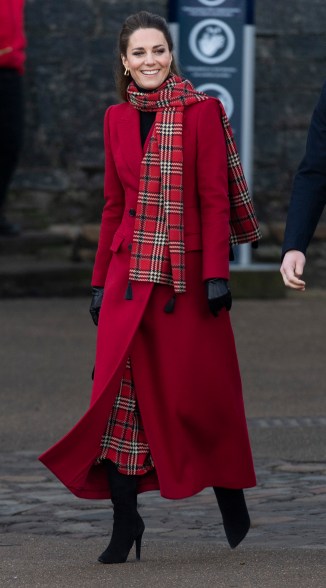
146, 119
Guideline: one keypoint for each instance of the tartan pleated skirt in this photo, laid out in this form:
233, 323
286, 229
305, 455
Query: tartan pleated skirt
124, 441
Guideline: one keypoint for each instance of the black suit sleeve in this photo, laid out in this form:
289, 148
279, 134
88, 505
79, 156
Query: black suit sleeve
309, 186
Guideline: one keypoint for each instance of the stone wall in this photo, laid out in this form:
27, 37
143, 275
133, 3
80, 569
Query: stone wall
69, 84
290, 70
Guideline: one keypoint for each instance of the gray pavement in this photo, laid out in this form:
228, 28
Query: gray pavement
50, 538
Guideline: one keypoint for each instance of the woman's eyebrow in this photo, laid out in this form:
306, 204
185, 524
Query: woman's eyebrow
154, 47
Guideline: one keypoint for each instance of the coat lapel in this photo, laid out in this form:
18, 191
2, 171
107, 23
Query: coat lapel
130, 139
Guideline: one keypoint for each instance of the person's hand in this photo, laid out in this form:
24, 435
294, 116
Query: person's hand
292, 269
218, 295
96, 303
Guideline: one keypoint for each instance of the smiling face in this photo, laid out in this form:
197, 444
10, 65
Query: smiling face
148, 58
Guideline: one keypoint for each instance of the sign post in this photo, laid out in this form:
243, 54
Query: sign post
215, 45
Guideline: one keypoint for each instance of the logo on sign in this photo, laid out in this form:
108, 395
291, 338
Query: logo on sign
221, 93
211, 2
211, 41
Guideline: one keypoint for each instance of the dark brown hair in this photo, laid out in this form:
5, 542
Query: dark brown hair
134, 22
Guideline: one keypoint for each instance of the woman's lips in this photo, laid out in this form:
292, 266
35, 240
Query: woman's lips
150, 72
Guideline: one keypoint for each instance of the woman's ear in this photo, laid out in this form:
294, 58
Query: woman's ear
124, 61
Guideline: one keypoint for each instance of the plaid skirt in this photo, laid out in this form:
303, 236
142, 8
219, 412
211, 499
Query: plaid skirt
124, 441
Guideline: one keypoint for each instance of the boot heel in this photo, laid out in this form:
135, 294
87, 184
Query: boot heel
138, 545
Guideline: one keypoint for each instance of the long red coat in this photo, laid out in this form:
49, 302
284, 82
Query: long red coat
184, 364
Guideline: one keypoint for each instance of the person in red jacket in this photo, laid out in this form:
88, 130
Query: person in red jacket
12, 59
166, 409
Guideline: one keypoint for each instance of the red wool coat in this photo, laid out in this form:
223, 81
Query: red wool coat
184, 364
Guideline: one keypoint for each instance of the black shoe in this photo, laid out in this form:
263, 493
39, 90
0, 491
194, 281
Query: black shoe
125, 533
128, 526
8, 229
236, 520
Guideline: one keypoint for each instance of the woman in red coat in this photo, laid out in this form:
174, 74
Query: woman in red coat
166, 410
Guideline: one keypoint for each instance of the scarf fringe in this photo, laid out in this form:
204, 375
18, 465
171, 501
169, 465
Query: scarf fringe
170, 305
128, 294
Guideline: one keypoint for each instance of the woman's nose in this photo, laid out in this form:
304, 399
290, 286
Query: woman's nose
149, 59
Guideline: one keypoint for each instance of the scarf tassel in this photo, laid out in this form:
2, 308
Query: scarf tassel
128, 294
169, 307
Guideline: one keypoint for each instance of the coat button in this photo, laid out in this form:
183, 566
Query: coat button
130, 246
132, 212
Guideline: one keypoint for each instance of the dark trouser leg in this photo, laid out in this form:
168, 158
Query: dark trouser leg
234, 512
128, 526
11, 129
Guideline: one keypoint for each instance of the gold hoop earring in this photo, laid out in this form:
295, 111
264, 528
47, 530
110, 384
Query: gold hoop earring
127, 71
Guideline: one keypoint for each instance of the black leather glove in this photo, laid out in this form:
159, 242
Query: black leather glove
95, 307
218, 295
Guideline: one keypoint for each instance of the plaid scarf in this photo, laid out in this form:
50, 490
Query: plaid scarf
158, 253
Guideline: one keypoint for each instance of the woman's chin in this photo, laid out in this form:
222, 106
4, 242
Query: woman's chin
150, 84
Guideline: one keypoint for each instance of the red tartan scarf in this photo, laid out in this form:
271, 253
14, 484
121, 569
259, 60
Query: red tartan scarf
158, 253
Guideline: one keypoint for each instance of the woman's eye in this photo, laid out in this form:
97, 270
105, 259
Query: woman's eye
139, 53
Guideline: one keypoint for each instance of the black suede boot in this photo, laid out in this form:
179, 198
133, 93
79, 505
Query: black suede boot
234, 512
128, 526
